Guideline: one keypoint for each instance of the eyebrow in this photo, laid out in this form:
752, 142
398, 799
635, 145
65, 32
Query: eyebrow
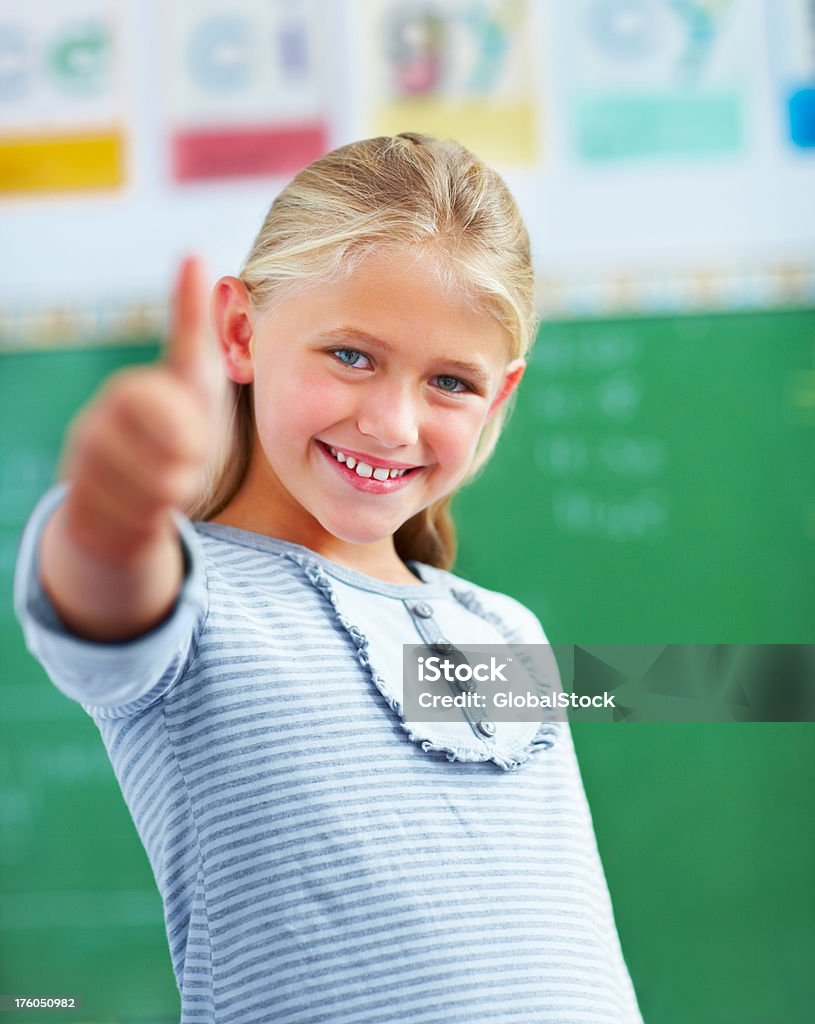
476, 372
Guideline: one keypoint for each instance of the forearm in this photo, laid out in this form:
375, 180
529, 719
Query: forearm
104, 596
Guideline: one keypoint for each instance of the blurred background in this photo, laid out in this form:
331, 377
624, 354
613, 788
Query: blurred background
655, 483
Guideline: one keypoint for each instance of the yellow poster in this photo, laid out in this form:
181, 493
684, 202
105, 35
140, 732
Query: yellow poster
60, 108
461, 69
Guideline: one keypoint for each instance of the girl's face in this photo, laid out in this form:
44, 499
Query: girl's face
386, 374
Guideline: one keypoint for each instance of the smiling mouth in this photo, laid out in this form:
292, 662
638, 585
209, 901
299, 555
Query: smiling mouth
364, 469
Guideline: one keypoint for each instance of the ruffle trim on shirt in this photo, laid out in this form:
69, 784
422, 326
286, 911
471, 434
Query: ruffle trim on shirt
548, 732
543, 738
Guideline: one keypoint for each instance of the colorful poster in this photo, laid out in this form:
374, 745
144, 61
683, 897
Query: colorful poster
795, 59
245, 90
654, 78
61, 108
462, 69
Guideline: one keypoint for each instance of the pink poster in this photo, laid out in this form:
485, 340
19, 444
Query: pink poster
245, 92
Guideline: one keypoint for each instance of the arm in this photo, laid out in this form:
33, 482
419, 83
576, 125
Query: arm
117, 678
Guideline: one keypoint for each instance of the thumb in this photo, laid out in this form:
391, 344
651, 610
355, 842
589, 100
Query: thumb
189, 353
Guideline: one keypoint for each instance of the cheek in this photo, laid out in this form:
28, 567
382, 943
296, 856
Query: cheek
298, 409
455, 436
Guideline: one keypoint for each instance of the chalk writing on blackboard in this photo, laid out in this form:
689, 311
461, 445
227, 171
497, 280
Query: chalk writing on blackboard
606, 469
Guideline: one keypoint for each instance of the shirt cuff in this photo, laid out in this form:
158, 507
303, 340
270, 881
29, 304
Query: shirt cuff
116, 678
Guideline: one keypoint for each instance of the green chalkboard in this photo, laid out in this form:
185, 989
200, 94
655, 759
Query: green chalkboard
79, 911
654, 484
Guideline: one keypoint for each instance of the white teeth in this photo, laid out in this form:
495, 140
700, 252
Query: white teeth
364, 470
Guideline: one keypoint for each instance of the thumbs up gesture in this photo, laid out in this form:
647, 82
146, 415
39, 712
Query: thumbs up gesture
110, 556
139, 447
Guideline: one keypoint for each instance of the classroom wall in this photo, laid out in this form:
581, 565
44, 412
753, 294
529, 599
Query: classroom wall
654, 484
661, 150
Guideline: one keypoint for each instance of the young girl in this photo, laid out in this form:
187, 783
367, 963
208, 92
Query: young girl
320, 858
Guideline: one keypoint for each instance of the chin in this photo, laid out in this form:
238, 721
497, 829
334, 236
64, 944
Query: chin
356, 533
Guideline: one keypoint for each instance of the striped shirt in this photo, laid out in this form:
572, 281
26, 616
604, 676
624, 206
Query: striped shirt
319, 858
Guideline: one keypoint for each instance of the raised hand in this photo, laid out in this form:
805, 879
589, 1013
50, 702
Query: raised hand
140, 446
110, 557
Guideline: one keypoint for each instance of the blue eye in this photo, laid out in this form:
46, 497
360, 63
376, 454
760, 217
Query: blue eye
444, 380
340, 353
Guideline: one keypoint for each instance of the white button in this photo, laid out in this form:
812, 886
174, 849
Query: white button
424, 611
486, 728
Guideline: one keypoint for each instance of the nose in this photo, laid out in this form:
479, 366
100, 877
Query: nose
389, 415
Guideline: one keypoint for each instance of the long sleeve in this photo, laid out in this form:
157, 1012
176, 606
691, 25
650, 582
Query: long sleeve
110, 679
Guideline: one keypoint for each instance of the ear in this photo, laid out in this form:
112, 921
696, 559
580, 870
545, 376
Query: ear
232, 319
512, 377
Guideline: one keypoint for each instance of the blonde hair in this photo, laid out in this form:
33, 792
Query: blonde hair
405, 191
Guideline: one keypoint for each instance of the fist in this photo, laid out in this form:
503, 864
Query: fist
141, 446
